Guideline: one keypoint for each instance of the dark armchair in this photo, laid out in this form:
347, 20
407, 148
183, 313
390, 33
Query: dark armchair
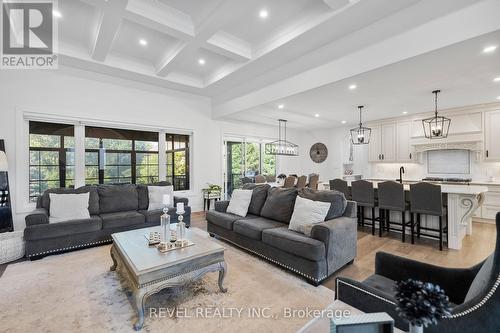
473, 291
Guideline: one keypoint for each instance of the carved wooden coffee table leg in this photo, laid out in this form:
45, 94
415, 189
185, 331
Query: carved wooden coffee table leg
222, 275
112, 252
139, 300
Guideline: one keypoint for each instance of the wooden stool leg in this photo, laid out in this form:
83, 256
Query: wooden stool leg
362, 216
403, 225
373, 221
440, 233
381, 217
412, 225
418, 225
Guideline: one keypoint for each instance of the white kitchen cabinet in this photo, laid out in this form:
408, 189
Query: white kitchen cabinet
403, 147
492, 135
382, 147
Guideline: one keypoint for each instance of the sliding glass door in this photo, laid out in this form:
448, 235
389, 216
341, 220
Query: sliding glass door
245, 158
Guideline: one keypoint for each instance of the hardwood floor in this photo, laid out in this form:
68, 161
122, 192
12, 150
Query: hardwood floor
475, 248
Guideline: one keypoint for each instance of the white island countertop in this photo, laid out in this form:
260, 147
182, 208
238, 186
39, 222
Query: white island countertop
447, 188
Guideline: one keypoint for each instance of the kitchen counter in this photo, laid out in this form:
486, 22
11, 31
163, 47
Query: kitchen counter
411, 181
458, 188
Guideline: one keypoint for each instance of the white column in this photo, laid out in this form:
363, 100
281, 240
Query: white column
79, 155
162, 156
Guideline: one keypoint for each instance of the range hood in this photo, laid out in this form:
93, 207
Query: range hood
472, 145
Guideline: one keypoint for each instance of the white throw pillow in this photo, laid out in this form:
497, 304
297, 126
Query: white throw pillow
240, 200
65, 207
306, 213
156, 193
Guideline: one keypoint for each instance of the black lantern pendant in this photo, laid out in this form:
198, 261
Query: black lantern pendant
360, 135
436, 127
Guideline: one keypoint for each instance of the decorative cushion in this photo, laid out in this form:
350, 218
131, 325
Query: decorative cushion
239, 203
66, 207
294, 243
259, 197
335, 198
44, 201
155, 196
117, 198
481, 280
279, 204
306, 213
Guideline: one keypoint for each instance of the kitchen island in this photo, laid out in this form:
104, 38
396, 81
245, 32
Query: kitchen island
462, 201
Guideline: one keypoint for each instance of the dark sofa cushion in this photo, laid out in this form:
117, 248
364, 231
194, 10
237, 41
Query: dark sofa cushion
117, 198
259, 196
153, 216
337, 200
225, 220
279, 204
121, 219
294, 243
61, 229
44, 201
253, 228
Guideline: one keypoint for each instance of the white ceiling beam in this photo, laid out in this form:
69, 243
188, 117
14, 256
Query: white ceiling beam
209, 27
229, 46
481, 19
109, 23
157, 16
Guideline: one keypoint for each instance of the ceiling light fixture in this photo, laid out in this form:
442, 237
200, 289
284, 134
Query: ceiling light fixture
201, 61
498, 97
282, 146
143, 42
316, 115
436, 127
360, 135
56, 13
489, 49
263, 13
352, 87
405, 112
343, 121
281, 106
497, 79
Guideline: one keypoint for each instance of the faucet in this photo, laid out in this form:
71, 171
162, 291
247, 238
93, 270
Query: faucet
401, 171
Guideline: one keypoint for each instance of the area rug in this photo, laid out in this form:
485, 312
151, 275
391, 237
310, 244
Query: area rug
76, 292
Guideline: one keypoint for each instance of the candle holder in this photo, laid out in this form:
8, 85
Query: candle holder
181, 227
165, 225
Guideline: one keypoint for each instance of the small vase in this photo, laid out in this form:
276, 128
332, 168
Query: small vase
416, 328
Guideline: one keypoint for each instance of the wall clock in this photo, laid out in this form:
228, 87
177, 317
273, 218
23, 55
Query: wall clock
318, 152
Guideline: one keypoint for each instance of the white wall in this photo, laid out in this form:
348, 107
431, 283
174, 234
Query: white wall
81, 95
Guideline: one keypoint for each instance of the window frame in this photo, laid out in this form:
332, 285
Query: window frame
187, 157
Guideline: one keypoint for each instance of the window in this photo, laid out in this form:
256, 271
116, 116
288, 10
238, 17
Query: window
178, 161
116, 156
52, 157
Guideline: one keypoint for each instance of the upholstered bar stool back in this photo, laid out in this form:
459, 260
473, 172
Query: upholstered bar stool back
301, 182
426, 199
363, 193
259, 179
391, 196
339, 185
289, 181
313, 181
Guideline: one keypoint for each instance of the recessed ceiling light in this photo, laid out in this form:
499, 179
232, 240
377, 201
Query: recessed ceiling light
316, 115
201, 61
143, 42
498, 97
405, 112
343, 121
497, 79
56, 13
281, 106
263, 13
489, 49
353, 86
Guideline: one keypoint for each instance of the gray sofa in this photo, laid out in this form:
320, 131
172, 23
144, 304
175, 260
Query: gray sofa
113, 208
264, 231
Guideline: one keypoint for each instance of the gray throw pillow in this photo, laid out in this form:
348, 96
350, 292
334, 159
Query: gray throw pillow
259, 197
279, 204
337, 200
118, 198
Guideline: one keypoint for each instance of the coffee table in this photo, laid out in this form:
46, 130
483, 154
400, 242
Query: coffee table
148, 270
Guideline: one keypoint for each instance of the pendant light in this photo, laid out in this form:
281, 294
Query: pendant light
360, 135
436, 127
282, 146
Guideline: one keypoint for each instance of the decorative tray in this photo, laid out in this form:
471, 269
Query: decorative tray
154, 240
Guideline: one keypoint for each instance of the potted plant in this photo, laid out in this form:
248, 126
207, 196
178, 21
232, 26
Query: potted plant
212, 189
421, 303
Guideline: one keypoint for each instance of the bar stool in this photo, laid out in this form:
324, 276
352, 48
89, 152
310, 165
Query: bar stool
341, 186
391, 197
364, 195
427, 199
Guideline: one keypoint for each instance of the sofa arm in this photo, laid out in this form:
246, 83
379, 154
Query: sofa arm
181, 199
455, 281
38, 216
351, 210
340, 238
221, 206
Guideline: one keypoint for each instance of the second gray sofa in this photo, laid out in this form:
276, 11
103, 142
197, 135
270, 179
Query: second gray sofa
264, 231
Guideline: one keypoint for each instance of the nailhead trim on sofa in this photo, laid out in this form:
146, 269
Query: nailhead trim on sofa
274, 261
70, 248
362, 290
